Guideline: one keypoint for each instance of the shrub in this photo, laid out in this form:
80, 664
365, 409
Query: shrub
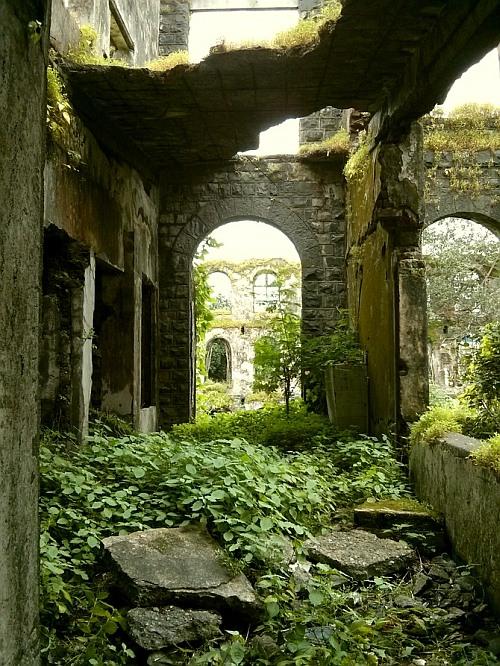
269, 425
85, 52
212, 397
337, 144
488, 455
483, 392
438, 420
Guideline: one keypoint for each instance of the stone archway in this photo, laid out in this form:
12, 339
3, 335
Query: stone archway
305, 202
223, 374
467, 240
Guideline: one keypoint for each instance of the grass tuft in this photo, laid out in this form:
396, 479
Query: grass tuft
168, 62
337, 144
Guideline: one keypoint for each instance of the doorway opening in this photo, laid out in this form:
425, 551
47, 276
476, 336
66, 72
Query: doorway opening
247, 280
463, 295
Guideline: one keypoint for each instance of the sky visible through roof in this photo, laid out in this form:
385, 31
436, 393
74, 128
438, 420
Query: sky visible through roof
246, 239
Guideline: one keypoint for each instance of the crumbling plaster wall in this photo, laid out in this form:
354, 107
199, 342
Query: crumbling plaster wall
141, 20
386, 279
111, 211
304, 200
22, 142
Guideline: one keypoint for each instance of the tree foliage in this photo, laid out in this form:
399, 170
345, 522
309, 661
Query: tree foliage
483, 392
463, 270
277, 361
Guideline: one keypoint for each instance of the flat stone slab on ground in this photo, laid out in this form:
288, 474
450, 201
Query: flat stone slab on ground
157, 628
180, 566
387, 513
360, 554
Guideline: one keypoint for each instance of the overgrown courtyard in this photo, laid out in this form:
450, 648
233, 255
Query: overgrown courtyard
261, 490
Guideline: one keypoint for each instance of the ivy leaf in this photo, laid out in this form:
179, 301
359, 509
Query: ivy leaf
138, 472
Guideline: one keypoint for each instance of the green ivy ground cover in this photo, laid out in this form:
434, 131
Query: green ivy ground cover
249, 496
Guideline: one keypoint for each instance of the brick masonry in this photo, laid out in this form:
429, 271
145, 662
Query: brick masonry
304, 200
174, 26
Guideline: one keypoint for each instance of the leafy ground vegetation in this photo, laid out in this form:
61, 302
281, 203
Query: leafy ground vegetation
251, 496
476, 412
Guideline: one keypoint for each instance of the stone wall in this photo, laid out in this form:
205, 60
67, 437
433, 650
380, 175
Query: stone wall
319, 126
174, 26
480, 202
102, 259
469, 498
304, 200
22, 142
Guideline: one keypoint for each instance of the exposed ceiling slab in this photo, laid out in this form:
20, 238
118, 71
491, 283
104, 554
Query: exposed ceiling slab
400, 56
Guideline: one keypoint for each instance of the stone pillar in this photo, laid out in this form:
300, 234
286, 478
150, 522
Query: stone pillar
82, 316
321, 125
174, 26
386, 284
22, 140
177, 380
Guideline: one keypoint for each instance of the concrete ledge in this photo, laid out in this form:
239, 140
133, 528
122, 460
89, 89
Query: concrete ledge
468, 496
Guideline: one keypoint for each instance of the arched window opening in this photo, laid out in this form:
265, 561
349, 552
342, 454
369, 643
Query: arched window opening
218, 361
220, 291
463, 295
265, 292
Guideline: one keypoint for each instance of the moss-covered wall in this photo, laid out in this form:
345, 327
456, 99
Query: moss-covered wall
386, 291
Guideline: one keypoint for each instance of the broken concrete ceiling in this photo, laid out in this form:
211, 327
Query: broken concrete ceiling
400, 56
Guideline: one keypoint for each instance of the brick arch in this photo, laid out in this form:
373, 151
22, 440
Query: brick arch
305, 202
486, 221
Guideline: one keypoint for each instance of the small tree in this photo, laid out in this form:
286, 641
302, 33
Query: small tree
202, 301
483, 392
277, 360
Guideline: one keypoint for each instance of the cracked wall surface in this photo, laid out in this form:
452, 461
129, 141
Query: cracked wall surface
22, 141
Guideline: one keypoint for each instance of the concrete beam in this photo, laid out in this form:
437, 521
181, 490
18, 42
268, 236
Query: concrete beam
235, 5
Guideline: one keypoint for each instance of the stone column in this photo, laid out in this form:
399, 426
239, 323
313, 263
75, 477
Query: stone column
22, 140
386, 283
82, 316
174, 26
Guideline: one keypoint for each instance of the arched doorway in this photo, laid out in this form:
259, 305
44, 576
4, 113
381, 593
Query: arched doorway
218, 360
462, 256
251, 269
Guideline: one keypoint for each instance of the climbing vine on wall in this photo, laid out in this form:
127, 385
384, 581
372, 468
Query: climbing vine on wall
458, 138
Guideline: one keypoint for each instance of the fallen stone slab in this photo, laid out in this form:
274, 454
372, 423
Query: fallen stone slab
388, 513
179, 566
157, 628
406, 519
361, 554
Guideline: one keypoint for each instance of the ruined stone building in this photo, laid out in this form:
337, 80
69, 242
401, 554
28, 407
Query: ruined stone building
244, 292
99, 230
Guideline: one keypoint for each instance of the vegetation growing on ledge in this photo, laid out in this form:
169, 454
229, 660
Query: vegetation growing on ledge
304, 33
335, 145
170, 61
85, 52
488, 455
468, 129
287, 268
59, 110
359, 162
